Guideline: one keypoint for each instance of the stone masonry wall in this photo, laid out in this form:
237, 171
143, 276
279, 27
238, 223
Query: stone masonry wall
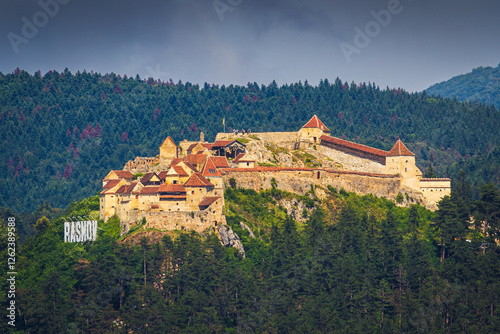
191, 221
435, 189
300, 182
352, 162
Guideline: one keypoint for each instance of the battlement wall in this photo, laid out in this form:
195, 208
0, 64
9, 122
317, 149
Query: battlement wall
435, 189
299, 180
353, 152
352, 162
191, 221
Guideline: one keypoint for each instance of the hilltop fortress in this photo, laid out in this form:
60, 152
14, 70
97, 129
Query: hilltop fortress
183, 186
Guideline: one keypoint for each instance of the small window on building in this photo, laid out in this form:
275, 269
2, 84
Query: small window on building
406, 169
318, 175
211, 171
314, 139
248, 164
192, 192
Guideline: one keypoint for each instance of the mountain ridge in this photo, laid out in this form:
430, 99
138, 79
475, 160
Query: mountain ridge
60, 133
482, 84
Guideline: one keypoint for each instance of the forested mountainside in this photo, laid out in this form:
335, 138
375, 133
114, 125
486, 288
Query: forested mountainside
482, 85
356, 264
60, 133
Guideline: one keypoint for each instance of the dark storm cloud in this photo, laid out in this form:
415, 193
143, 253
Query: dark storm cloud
240, 41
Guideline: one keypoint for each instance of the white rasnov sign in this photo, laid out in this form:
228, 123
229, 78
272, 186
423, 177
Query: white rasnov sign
80, 231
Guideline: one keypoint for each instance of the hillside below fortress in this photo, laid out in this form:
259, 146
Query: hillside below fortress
183, 186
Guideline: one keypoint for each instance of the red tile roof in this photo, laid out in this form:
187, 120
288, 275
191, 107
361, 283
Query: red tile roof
238, 157
192, 146
314, 122
354, 146
162, 174
122, 189
175, 161
111, 184
209, 170
208, 146
222, 143
147, 177
400, 149
172, 188
194, 158
150, 190
190, 166
130, 187
246, 158
207, 201
180, 171
220, 162
123, 174
197, 180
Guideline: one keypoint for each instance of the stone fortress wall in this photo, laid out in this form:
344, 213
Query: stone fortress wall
351, 162
338, 163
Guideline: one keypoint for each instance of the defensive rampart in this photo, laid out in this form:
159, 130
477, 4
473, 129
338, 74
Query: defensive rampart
192, 221
299, 180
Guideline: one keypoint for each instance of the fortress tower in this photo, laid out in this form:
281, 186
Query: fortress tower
313, 130
168, 152
400, 160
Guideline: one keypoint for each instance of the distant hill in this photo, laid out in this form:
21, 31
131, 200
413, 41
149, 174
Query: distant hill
61, 133
482, 84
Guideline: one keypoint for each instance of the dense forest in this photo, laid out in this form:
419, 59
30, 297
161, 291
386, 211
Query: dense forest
60, 133
358, 264
482, 84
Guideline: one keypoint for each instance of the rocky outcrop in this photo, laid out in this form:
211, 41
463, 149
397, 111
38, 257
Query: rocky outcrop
230, 239
295, 209
245, 227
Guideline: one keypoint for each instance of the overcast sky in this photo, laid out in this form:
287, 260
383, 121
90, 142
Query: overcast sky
410, 44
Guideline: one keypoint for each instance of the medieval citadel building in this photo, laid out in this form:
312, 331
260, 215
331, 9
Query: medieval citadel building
183, 187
